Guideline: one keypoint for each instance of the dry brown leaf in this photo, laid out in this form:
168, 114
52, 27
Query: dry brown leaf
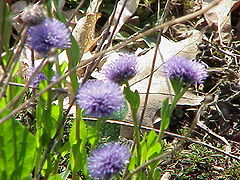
219, 18
84, 31
159, 87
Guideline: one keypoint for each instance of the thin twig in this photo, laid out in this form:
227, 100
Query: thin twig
16, 54
28, 83
164, 15
169, 134
117, 21
150, 31
100, 47
85, 62
178, 147
75, 12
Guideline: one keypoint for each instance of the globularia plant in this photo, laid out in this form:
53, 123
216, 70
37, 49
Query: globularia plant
37, 153
50, 33
185, 70
100, 98
121, 69
108, 160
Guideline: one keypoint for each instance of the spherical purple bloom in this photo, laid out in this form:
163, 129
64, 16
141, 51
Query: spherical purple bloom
100, 98
122, 69
51, 33
186, 70
107, 160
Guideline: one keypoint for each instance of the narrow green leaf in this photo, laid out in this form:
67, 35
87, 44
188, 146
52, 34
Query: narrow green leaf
73, 54
165, 114
133, 98
17, 151
56, 177
78, 150
177, 85
5, 24
75, 157
152, 137
154, 150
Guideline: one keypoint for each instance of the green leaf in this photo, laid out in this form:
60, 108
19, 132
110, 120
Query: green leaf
133, 99
75, 157
64, 149
78, 150
177, 85
144, 151
152, 137
73, 54
5, 24
165, 114
17, 151
133, 162
42, 85
154, 151
157, 173
55, 177
63, 67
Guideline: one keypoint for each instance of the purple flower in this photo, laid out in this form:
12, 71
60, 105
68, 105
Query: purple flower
51, 33
37, 79
100, 98
54, 78
186, 70
122, 69
107, 160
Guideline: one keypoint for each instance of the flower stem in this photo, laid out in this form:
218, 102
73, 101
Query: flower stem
177, 98
136, 135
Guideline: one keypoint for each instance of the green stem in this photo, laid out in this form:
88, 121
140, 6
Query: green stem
98, 128
177, 98
136, 135
172, 107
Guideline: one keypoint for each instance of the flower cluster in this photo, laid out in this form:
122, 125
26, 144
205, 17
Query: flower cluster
50, 33
100, 98
37, 79
122, 69
185, 70
107, 160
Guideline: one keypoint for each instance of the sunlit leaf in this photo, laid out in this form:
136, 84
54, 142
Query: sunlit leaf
17, 151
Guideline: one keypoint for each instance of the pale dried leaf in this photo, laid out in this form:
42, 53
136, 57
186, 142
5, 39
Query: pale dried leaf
219, 17
84, 31
159, 87
128, 11
94, 6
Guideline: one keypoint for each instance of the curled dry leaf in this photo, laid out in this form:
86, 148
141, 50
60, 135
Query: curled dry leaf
160, 87
219, 18
84, 31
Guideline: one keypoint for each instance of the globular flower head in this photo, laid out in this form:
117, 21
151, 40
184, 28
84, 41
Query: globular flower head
37, 79
100, 98
51, 33
186, 70
33, 14
122, 69
107, 160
